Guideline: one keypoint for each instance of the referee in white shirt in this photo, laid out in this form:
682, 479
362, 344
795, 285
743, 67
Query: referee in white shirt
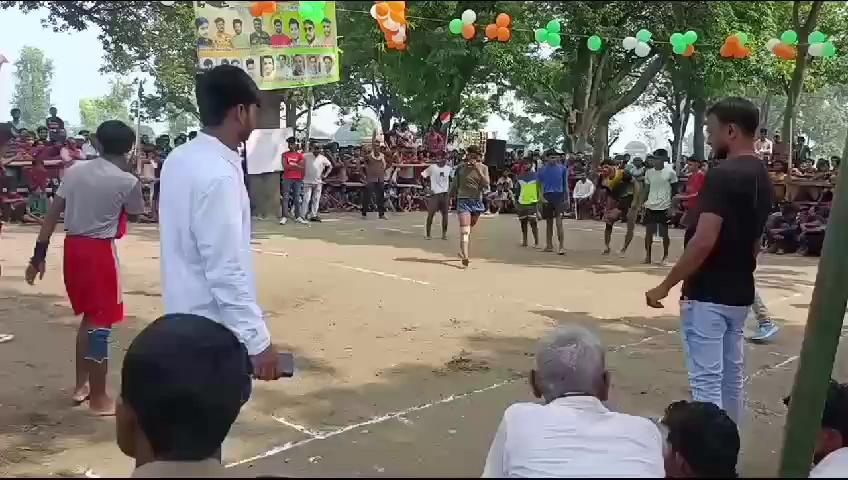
204, 219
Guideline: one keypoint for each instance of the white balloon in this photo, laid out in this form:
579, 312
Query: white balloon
168, 4
642, 49
629, 43
772, 43
400, 36
373, 11
390, 24
816, 49
469, 17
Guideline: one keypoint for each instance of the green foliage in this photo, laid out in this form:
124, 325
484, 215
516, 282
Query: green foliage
542, 134
33, 74
112, 106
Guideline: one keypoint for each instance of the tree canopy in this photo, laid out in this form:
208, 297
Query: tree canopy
33, 74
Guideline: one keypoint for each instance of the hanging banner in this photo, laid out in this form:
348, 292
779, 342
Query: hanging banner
284, 49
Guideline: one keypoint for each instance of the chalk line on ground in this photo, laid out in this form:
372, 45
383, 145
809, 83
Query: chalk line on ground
376, 272
276, 254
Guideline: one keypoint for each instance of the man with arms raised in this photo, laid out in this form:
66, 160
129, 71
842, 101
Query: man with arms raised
204, 219
717, 266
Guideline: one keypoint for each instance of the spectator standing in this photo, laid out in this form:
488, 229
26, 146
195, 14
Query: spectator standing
375, 172
763, 146
183, 382
316, 169
718, 263
572, 434
95, 198
87, 147
204, 219
54, 124
293, 167
17, 124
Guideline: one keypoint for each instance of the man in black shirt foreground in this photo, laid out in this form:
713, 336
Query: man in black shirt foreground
717, 266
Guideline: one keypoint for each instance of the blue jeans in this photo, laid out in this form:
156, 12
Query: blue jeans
291, 191
713, 343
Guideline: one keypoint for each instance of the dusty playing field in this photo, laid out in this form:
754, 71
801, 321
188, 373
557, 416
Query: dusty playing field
406, 361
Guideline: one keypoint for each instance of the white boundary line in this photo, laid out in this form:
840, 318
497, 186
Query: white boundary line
376, 272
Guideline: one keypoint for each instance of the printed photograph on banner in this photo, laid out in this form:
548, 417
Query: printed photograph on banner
279, 50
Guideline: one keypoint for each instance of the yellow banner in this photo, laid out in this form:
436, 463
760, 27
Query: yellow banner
279, 50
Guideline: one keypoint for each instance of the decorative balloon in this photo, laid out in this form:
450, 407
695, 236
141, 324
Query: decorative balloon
455, 26
263, 8
313, 11
819, 45
469, 17
468, 31
629, 43
639, 43
734, 46
492, 31
550, 34
680, 42
642, 49
391, 18
644, 35
789, 37
594, 43
500, 29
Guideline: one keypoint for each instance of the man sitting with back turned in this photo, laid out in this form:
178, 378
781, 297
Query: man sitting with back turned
573, 434
183, 382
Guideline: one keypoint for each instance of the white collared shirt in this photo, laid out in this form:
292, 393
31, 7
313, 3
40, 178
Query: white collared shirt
574, 437
584, 189
204, 225
834, 465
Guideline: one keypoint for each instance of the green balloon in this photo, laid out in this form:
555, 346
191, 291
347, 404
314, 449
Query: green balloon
644, 35
553, 26
690, 37
816, 37
680, 48
829, 49
554, 39
789, 37
455, 26
540, 34
677, 39
743, 37
594, 43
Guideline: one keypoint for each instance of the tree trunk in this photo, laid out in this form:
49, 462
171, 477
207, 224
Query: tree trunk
600, 141
844, 151
269, 112
311, 104
291, 112
699, 109
797, 82
765, 107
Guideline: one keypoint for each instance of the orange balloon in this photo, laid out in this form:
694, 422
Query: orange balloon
504, 34
269, 7
733, 41
491, 31
397, 6
690, 50
390, 44
725, 51
468, 32
256, 9
740, 52
503, 20
382, 9
784, 51
399, 17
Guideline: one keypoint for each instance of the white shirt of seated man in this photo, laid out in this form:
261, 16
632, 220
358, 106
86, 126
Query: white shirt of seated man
572, 433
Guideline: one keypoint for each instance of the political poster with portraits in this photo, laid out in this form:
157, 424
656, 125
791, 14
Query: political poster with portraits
278, 50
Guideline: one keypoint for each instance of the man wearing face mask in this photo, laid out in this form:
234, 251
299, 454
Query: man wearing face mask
718, 263
204, 219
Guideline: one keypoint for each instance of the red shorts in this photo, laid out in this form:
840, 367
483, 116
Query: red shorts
92, 279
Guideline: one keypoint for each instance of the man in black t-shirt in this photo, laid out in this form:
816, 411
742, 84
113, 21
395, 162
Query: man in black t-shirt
717, 266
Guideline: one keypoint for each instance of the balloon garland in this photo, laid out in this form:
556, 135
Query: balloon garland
734, 46
550, 34
639, 43
391, 18
500, 30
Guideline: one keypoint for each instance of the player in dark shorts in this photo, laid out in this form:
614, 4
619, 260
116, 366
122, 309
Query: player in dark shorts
617, 201
469, 181
553, 177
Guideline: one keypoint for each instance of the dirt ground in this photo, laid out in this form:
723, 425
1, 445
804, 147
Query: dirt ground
405, 361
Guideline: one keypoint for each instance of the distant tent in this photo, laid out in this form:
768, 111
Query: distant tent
636, 149
351, 134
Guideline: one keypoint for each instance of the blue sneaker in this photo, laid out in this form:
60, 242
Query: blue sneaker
765, 331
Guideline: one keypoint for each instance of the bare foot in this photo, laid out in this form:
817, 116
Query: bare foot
102, 406
80, 394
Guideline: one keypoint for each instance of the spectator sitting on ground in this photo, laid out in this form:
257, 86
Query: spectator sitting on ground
572, 434
183, 382
782, 230
702, 441
831, 454
813, 226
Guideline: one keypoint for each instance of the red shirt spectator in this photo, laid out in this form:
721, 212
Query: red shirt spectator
694, 184
293, 165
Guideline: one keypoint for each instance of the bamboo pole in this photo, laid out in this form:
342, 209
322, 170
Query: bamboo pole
821, 339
